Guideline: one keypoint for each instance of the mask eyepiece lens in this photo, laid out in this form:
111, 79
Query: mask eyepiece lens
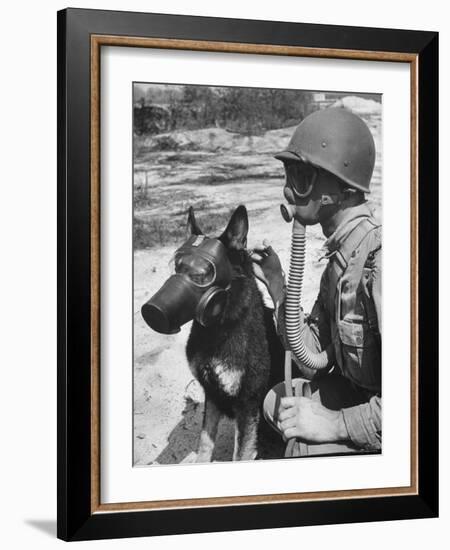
211, 306
300, 177
200, 271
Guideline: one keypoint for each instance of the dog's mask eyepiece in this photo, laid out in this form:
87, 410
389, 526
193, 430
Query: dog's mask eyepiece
198, 289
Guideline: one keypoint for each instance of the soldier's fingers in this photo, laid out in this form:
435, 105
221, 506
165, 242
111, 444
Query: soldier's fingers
290, 433
286, 413
268, 248
262, 251
288, 423
257, 260
287, 402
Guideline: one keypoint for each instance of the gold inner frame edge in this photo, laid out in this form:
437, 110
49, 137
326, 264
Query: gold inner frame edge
97, 41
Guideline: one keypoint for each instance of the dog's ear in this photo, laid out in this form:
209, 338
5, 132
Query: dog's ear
192, 225
235, 235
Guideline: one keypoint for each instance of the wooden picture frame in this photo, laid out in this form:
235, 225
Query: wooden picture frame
81, 35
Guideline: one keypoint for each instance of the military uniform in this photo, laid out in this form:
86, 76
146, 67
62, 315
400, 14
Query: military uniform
347, 314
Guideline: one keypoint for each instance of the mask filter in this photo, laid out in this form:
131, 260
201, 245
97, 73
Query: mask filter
171, 306
211, 306
287, 212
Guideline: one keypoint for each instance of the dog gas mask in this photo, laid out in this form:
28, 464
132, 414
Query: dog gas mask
197, 290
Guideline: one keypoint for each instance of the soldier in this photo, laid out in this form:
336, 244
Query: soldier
328, 164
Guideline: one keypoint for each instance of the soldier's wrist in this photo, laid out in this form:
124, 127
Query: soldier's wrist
341, 428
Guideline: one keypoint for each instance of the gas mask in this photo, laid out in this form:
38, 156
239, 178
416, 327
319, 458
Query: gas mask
300, 181
197, 290
304, 193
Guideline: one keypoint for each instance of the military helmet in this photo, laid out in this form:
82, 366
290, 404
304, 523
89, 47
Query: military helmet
338, 141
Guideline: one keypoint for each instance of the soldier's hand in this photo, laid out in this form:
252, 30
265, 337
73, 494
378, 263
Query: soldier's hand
267, 268
310, 420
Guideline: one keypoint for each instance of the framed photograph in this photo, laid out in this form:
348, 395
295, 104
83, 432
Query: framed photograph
247, 286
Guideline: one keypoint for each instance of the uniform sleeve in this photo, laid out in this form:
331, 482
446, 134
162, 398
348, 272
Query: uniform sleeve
376, 288
363, 424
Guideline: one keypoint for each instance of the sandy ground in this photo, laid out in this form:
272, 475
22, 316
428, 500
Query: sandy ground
168, 402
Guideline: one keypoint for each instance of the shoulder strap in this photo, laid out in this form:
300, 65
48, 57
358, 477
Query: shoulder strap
343, 254
369, 305
339, 259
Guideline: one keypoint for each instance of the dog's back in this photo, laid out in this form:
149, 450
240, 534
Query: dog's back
231, 360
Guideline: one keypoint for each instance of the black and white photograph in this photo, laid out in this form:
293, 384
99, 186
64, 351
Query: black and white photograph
225, 218
257, 268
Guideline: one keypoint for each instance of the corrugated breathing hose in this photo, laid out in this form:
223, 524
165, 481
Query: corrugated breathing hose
293, 315
293, 322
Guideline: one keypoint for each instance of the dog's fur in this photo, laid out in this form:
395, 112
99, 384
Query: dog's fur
231, 359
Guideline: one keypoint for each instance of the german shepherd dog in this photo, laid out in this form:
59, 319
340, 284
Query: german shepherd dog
231, 359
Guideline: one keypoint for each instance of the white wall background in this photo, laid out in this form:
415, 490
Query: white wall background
28, 272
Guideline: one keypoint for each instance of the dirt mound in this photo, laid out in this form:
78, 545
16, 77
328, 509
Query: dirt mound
219, 139
359, 106
212, 140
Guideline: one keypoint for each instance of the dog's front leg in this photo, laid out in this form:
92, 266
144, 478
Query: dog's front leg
246, 435
208, 434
